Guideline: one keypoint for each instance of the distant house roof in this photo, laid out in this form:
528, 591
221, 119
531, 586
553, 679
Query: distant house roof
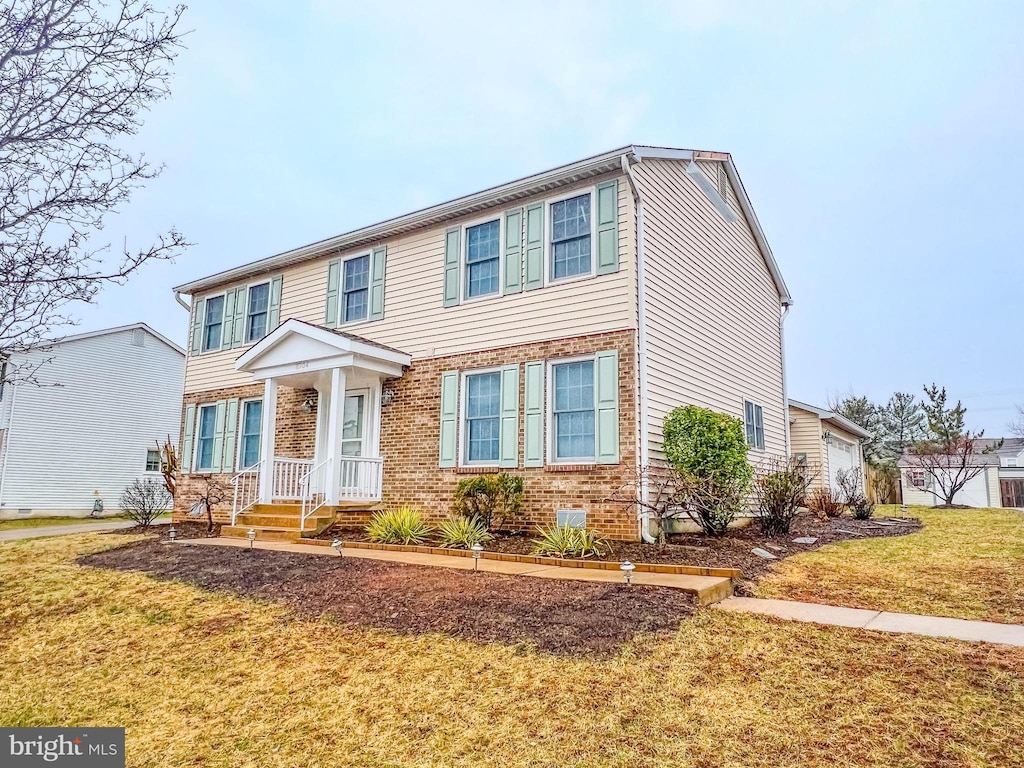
1012, 446
502, 194
831, 416
118, 329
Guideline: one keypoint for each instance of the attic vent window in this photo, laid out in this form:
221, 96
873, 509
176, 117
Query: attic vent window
723, 182
138, 338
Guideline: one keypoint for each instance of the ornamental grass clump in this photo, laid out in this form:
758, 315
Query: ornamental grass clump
461, 532
569, 541
403, 525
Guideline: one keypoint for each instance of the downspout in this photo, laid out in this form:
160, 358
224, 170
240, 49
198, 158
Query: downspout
7, 442
644, 516
177, 298
785, 391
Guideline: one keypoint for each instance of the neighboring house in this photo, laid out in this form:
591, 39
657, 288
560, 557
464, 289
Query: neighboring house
827, 441
89, 423
999, 483
543, 327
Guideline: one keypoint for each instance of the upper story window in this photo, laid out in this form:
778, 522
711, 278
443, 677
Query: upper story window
482, 417
570, 237
213, 323
1011, 462
153, 461
753, 423
355, 304
257, 313
249, 438
573, 412
205, 438
483, 259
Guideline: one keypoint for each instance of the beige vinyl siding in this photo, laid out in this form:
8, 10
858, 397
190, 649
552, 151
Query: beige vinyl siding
805, 437
415, 320
713, 310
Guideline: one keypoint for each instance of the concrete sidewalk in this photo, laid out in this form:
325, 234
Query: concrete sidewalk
15, 534
707, 589
881, 621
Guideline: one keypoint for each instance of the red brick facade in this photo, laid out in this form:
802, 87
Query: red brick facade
410, 434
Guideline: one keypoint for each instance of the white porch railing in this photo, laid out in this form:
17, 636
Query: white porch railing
314, 490
247, 489
287, 478
361, 478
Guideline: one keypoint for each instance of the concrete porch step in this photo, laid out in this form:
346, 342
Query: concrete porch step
317, 522
264, 534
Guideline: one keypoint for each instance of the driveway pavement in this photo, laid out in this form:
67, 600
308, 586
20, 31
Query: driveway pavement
61, 530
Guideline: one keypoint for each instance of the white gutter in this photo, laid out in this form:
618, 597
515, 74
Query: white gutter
177, 298
785, 391
641, 352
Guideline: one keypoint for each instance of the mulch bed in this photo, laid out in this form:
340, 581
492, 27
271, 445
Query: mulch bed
733, 550
558, 617
184, 530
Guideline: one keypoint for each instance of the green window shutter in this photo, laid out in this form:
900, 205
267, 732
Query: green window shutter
449, 416
227, 461
199, 309
606, 375
452, 243
533, 427
274, 308
186, 438
508, 426
218, 434
333, 293
514, 251
377, 261
228, 321
534, 246
237, 327
607, 227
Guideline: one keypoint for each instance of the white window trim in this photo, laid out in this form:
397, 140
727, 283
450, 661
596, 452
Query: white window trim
552, 458
461, 435
341, 288
238, 430
549, 231
195, 435
365, 444
756, 404
245, 322
160, 459
464, 298
203, 349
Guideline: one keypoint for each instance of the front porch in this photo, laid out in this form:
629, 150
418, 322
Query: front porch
287, 497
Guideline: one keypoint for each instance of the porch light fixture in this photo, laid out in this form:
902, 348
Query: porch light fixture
307, 405
252, 536
477, 551
627, 569
386, 396
827, 437
338, 547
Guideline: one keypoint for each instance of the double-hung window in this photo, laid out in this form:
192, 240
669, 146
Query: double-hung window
483, 259
249, 438
152, 461
213, 322
207, 428
257, 312
482, 417
753, 422
570, 237
573, 411
355, 299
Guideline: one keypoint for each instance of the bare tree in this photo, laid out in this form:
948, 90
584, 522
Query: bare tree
76, 76
144, 501
951, 455
780, 487
651, 491
212, 494
168, 464
1016, 426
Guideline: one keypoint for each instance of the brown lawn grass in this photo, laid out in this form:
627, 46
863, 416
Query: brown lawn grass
46, 522
964, 563
206, 679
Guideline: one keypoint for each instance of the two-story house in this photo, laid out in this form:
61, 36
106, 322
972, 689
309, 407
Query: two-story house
543, 327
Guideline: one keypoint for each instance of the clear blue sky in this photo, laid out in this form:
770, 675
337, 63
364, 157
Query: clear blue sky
881, 143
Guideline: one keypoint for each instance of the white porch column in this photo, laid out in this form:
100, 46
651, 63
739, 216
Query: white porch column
267, 428
335, 423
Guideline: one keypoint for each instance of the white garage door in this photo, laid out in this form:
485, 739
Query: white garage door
841, 455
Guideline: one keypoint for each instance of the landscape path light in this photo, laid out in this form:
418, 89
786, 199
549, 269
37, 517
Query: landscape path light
172, 533
477, 551
627, 569
252, 536
338, 547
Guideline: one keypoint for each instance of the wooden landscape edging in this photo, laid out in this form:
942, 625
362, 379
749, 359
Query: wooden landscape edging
606, 565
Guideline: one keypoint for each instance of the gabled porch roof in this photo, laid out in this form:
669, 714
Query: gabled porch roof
299, 348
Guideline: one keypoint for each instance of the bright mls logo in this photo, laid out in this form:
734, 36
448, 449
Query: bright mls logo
79, 747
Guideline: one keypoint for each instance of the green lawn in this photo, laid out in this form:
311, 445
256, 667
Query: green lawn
202, 678
964, 563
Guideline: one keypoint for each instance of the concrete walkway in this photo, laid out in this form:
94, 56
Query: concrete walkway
881, 621
16, 534
707, 589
